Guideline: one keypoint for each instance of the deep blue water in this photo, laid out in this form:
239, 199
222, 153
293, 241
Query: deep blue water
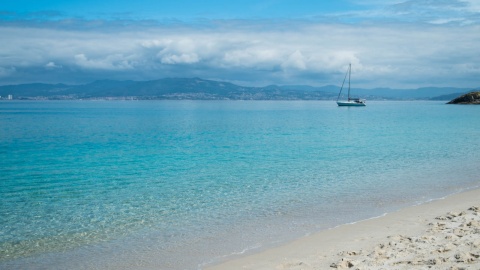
177, 184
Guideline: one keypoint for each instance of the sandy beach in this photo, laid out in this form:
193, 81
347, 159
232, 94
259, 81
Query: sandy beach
441, 234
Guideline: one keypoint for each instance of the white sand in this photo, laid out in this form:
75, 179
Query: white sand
443, 234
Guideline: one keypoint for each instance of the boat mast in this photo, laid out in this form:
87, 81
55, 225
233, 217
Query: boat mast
343, 83
349, 73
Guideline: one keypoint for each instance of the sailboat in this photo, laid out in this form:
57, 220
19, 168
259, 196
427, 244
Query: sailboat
350, 101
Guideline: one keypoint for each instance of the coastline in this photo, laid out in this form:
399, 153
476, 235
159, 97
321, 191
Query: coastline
415, 232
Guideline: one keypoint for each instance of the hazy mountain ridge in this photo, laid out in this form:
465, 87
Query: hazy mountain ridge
196, 88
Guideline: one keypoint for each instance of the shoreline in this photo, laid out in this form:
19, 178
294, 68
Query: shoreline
375, 242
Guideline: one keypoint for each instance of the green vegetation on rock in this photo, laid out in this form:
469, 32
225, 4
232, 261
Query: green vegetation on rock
470, 98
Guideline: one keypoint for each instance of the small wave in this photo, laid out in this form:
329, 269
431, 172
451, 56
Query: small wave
233, 254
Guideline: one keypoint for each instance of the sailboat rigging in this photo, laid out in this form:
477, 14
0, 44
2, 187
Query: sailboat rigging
350, 101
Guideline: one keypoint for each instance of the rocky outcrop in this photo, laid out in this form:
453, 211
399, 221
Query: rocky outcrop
470, 98
451, 241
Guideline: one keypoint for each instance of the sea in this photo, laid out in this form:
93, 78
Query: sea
186, 184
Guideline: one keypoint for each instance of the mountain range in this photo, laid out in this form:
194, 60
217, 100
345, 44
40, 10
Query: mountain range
200, 89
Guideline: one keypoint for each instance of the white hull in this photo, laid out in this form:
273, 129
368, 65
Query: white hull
351, 103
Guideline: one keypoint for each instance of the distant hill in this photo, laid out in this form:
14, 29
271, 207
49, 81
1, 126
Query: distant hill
448, 96
200, 89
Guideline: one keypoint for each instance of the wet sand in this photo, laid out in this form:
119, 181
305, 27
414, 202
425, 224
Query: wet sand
441, 234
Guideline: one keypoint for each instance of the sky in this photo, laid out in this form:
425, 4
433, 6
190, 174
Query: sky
390, 43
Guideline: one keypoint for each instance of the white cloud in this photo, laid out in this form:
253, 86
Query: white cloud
183, 58
473, 6
252, 56
296, 61
52, 65
461, 12
394, 54
109, 62
174, 50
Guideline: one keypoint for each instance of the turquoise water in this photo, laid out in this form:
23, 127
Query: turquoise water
180, 184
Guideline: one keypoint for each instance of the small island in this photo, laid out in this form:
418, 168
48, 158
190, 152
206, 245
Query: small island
470, 98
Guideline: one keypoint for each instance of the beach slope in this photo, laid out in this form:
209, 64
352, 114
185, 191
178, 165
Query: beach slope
443, 233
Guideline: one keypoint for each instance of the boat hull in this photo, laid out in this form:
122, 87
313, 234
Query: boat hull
351, 103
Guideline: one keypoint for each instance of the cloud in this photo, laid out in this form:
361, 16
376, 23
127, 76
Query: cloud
52, 65
429, 10
6, 71
420, 48
472, 6
258, 56
296, 61
179, 58
109, 62
178, 50
459, 12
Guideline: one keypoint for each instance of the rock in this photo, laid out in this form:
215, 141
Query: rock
350, 253
473, 224
474, 209
445, 248
470, 98
344, 264
466, 257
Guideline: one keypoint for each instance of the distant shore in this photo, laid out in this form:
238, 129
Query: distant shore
202, 89
442, 233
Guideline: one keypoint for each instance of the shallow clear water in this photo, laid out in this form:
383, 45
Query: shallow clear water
177, 184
